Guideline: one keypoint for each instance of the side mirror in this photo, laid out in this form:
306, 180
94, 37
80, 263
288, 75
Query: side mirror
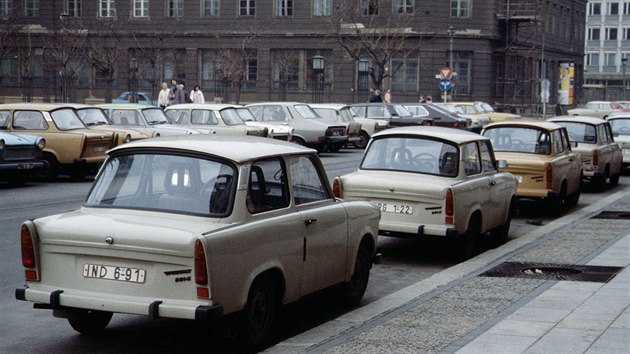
501, 164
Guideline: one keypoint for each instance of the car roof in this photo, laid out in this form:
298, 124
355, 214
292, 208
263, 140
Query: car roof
458, 136
46, 107
236, 148
329, 105
125, 105
209, 106
579, 119
283, 103
525, 123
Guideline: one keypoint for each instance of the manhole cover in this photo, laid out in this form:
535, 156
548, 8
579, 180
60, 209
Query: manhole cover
552, 271
613, 215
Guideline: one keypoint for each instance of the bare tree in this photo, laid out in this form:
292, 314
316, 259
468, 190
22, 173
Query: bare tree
378, 38
105, 52
65, 51
153, 49
8, 31
286, 63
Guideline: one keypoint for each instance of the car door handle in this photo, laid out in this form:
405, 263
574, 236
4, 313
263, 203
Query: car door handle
493, 183
309, 221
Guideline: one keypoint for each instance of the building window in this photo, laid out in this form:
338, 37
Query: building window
106, 8
247, 7
404, 6
283, 7
405, 78
286, 70
322, 7
610, 59
251, 74
592, 59
613, 8
73, 8
460, 8
141, 8
31, 8
369, 7
626, 8
594, 9
626, 34
5, 7
593, 34
175, 8
611, 34
462, 66
210, 8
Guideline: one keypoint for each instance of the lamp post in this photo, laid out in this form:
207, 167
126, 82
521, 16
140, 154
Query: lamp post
624, 61
364, 68
133, 80
318, 78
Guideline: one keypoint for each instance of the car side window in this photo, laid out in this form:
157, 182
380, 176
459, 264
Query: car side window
306, 181
267, 188
556, 141
487, 159
29, 120
273, 113
601, 134
472, 160
204, 117
4, 119
609, 133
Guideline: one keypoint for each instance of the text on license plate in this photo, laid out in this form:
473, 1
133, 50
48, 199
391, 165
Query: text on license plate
395, 208
98, 271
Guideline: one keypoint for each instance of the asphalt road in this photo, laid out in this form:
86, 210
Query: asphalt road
27, 330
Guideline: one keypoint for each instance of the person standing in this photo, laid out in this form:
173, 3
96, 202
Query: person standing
196, 95
375, 96
163, 95
388, 96
176, 94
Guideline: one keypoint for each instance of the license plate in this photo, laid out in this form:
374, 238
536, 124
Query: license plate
99, 149
519, 179
25, 166
395, 208
126, 274
626, 152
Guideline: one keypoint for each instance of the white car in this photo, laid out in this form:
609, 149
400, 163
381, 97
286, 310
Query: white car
342, 114
217, 119
433, 181
599, 109
620, 125
198, 227
133, 115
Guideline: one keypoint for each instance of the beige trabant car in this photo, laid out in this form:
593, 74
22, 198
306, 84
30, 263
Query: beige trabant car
483, 109
433, 181
217, 119
70, 147
198, 227
620, 124
539, 155
601, 156
599, 109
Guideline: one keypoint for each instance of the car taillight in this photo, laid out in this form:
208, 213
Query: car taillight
548, 176
29, 259
337, 187
449, 207
201, 270
456, 125
595, 159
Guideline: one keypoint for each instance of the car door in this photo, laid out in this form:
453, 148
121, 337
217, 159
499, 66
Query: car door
609, 147
566, 164
474, 192
500, 187
324, 227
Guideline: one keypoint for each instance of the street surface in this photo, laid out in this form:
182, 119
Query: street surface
27, 330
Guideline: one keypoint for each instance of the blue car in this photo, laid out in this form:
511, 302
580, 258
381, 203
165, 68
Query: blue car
143, 98
20, 157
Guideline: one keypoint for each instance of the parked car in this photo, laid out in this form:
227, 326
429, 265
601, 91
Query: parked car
483, 109
601, 156
309, 129
70, 147
133, 115
477, 121
620, 125
338, 113
600, 109
143, 98
433, 181
20, 155
430, 114
200, 227
217, 119
278, 132
539, 155
390, 112
95, 118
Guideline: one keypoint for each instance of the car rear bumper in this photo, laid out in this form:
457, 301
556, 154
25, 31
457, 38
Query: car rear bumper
411, 230
154, 308
23, 166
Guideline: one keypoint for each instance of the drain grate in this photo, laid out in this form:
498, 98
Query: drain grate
550, 271
612, 215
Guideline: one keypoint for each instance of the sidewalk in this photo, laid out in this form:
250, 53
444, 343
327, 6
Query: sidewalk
471, 308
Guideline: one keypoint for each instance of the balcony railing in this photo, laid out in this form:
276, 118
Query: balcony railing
519, 9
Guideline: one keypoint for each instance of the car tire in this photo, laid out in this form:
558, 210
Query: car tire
258, 320
614, 179
556, 205
465, 245
573, 199
89, 322
362, 143
500, 234
49, 173
353, 290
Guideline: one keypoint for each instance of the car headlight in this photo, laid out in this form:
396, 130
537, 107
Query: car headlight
1, 144
41, 143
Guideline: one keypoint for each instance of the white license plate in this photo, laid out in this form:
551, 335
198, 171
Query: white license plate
519, 179
99, 271
395, 208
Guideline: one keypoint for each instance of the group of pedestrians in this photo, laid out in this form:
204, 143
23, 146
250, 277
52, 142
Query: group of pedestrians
176, 94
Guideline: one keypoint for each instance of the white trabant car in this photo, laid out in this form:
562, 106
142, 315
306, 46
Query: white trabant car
433, 181
599, 109
601, 156
197, 227
620, 125
212, 118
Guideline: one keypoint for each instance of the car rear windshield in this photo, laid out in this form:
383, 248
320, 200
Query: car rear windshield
520, 139
620, 126
92, 116
580, 132
170, 183
155, 116
412, 154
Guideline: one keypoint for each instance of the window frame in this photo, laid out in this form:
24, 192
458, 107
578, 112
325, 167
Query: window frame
403, 7
143, 9
214, 7
249, 10
461, 8
106, 8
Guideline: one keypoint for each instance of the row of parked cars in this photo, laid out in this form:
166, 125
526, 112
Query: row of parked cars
208, 227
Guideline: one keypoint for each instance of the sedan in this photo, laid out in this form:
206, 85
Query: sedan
220, 119
620, 124
131, 115
430, 114
434, 182
199, 227
20, 156
599, 109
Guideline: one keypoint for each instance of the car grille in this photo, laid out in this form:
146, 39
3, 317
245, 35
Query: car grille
21, 153
336, 131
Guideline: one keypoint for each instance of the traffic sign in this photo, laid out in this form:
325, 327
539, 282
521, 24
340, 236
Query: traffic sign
446, 85
446, 72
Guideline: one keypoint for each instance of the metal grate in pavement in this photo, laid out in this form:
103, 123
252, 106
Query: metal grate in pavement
611, 214
551, 271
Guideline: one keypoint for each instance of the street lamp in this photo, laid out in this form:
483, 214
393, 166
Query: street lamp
364, 68
133, 80
624, 60
318, 78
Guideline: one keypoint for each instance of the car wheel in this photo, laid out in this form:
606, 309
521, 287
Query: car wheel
49, 173
500, 234
362, 143
89, 321
299, 141
556, 204
572, 199
465, 245
352, 291
614, 179
260, 314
